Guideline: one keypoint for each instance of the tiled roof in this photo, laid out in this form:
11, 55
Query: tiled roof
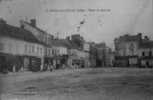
40, 30
18, 33
63, 43
129, 38
43, 32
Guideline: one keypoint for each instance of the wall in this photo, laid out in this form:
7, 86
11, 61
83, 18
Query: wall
59, 50
145, 50
40, 36
48, 52
19, 47
86, 47
127, 48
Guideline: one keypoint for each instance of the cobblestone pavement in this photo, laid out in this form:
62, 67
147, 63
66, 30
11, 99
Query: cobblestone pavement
79, 84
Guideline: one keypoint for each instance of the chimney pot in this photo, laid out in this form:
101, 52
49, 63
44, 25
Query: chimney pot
146, 38
33, 22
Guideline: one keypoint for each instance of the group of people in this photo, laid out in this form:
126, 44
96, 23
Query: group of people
49, 66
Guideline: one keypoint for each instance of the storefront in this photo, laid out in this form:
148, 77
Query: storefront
10, 62
133, 61
121, 61
34, 64
146, 62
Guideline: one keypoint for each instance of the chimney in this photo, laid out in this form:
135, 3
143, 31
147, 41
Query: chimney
140, 35
146, 37
22, 24
33, 22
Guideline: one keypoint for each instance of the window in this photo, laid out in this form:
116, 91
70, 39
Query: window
37, 49
26, 48
49, 52
131, 48
143, 53
40, 50
33, 49
53, 51
10, 47
29, 48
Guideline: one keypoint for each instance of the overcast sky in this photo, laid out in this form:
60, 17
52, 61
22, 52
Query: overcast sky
124, 16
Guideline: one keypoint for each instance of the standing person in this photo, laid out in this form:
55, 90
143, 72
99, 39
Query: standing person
14, 68
54, 64
45, 67
58, 64
50, 67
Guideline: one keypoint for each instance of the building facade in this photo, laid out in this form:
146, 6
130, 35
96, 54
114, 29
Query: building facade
133, 50
104, 55
145, 54
126, 50
19, 49
43, 37
78, 58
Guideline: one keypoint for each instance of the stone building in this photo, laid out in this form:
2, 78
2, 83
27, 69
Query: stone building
78, 58
109, 57
93, 54
100, 58
79, 52
42, 36
145, 54
60, 52
126, 50
19, 49
104, 55
133, 50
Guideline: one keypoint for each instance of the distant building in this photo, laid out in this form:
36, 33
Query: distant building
126, 50
145, 54
109, 57
100, 55
78, 56
78, 40
100, 58
93, 54
129, 50
60, 51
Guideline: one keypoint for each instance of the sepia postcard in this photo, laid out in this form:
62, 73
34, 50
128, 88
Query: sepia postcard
76, 50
